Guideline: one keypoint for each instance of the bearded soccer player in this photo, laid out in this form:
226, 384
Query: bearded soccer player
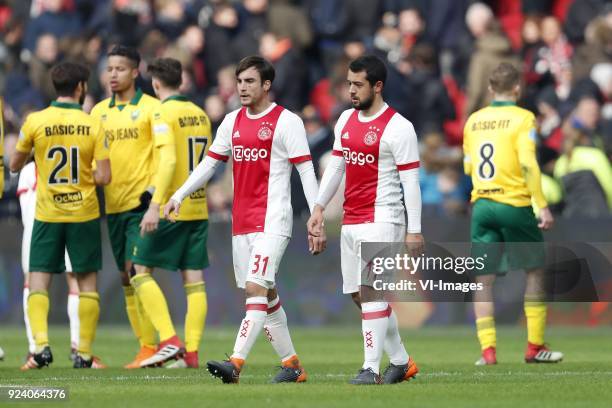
499, 149
182, 136
377, 149
265, 141
66, 141
127, 121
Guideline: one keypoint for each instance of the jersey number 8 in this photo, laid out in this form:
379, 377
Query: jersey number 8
64, 158
486, 168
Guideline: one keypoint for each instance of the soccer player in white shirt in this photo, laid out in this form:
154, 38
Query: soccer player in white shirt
265, 141
377, 149
26, 191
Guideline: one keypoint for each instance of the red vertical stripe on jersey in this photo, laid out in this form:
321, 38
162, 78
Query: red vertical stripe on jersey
251, 166
360, 148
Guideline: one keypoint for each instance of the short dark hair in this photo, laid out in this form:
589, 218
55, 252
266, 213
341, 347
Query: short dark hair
167, 70
265, 69
504, 78
66, 76
127, 52
373, 66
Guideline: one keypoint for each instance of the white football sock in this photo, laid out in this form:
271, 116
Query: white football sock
374, 322
73, 316
393, 342
256, 311
277, 330
26, 319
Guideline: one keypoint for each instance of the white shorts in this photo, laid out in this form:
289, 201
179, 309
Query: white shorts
257, 257
351, 237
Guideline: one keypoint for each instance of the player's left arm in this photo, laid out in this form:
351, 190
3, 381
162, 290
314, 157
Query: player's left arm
405, 149
164, 141
526, 149
23, 147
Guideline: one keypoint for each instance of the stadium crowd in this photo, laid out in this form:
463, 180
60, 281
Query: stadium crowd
439, 54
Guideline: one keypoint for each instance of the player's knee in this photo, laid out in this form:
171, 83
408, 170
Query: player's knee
253, 289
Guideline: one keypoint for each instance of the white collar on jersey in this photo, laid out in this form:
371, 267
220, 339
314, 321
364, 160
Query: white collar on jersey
261, 114
366, 119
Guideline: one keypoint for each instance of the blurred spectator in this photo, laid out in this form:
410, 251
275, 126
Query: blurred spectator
555, 56
596, 48
434, 107
170, 17
440, 177
215, 109
580, 13
218, 34
226, 79
549, 119
491, 48
54, 20
601, 75
288, 85
583, 169
288, 20
45, 56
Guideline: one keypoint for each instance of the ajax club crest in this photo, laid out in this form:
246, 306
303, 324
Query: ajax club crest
265, 131
371, 136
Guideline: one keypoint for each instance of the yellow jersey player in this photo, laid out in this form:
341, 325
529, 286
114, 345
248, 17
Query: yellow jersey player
499, 147
66, 141
182, 136
127, 122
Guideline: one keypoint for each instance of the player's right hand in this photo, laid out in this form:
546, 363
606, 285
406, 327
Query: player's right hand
316, 245
546, 219
172, 207
315, 222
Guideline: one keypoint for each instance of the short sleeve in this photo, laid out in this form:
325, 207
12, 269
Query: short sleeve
294, 138
403, 143
222, 145
26, 137
162, 129
101, 148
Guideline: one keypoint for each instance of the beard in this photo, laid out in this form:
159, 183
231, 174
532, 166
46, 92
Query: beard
364, 103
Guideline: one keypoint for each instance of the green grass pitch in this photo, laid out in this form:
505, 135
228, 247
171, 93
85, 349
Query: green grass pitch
332, 356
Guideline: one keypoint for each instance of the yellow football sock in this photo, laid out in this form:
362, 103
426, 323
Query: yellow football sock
38, 313
148, 335
89, 312
535, 312
154, 304
487, 335
195, 319
132, 310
